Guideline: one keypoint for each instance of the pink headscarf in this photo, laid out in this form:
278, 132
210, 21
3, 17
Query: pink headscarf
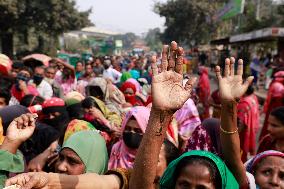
187, 118
121, 156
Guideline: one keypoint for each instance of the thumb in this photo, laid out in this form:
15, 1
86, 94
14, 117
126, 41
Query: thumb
248, 81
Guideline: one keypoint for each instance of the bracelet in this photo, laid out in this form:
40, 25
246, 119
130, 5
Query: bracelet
228, 132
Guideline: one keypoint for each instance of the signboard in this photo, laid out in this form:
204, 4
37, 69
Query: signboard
231, 9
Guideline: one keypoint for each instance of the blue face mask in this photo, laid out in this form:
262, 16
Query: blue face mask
23, 78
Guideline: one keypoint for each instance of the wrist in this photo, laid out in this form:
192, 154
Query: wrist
10, 145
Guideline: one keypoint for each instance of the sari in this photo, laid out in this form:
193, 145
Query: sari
248, 115
203, 92
121, 156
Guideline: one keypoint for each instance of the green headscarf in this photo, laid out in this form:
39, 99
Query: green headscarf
125, 76
228, 180
91, 148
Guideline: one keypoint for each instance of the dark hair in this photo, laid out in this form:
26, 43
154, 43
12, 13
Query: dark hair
17, 65
193, 160
89, 102
31, 100
6, 95
75, 111
28, 69
250, 90
171, 151
278, 113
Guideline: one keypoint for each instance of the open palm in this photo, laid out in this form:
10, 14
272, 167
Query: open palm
231, 86
167, 90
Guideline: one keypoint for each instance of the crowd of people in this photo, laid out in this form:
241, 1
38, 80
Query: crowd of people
138, 122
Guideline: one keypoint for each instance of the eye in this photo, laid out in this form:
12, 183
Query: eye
266, 172
183, 184
281, 176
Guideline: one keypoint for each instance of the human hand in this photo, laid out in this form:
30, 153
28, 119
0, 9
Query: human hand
231, 86
37, 163
96, 113
167, 90
22, 85
30, 180
21, 128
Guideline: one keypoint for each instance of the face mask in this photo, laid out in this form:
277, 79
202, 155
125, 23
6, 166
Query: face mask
37, 79
132, 140
49, 80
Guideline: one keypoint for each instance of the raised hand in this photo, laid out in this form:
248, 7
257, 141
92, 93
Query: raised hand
30, 180
231, 86
21, 128
167, 90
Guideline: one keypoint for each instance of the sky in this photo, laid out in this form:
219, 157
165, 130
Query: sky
123, 16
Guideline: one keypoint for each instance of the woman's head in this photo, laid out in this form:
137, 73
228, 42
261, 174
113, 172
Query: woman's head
198, 169
268, 169
134, 126
31, 100
276, 123
89, 103
83, 152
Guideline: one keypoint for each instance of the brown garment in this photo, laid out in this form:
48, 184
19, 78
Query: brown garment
123, 174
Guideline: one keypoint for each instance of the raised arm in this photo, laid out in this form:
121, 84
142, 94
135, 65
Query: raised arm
41, 180
232, 88
168, 96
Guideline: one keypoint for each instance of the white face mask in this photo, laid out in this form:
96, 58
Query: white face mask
49, 80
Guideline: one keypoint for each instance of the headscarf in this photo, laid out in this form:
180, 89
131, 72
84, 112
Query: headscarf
112, 96
9, 113
136, 83
77, 125
228, 180
20, 94
74, 106
250, 164
248, 114
125, 76
91, 148
187, 118
135, 74
112, 117
121, 156
129, 98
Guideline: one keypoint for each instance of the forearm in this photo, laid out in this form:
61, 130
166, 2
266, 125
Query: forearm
231, 142
85, 181
146, 160
10, 146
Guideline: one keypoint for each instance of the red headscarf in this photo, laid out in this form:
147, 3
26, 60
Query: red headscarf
129, 98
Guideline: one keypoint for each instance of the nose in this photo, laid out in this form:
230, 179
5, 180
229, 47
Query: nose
51, 116
274, 180
62, 167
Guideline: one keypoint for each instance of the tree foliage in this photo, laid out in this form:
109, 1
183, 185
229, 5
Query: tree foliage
153, 39
187, 21
47, 17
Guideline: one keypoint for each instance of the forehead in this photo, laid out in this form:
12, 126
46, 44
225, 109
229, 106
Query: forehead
68, 152
24, 72
39, 69
273, 162
132, 123
273, 120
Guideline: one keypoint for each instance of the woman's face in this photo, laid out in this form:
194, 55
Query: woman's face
69, 163
275, 128
128, 92
270, 173
194, 176
132, 134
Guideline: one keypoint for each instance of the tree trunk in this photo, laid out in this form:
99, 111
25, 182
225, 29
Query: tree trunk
7, 44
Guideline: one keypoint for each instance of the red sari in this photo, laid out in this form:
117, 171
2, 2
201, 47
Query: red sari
203, 92
274, 99
248, 114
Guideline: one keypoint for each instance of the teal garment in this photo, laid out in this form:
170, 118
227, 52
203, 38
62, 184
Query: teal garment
228, 180
135, 74
78, 74
13, 163
90, 146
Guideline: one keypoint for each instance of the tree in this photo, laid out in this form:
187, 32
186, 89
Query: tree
127, 40
48, 18
153, 39
187, 21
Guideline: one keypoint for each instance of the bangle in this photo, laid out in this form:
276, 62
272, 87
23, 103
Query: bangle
228, 132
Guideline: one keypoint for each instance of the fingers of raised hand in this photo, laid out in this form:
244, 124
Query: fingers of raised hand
25, 120
232, 66
240, 67
218, 72
154, 65
165, 51
172, 55
248, 81
179, 62
227, 67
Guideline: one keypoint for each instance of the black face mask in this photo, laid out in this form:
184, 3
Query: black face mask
37, 79
132, 140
